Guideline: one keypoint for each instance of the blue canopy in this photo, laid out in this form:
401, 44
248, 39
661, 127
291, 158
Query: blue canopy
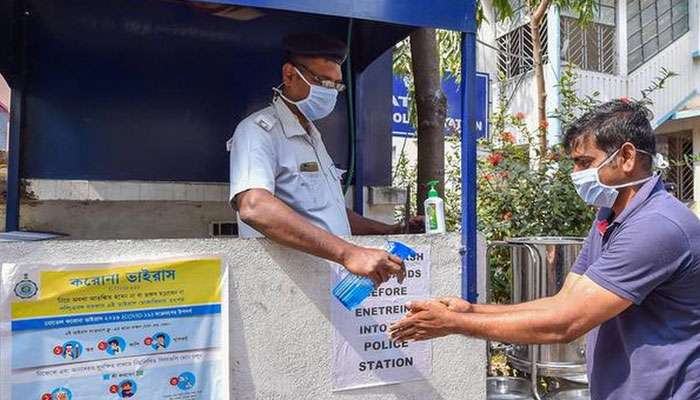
152, 89
444, 14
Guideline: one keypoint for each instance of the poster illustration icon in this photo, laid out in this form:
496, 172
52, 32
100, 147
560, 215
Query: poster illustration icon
186, 381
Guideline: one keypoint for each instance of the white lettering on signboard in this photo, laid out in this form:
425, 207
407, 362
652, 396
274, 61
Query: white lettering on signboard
363, 354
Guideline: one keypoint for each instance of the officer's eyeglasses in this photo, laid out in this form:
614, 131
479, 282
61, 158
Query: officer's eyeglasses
327, 83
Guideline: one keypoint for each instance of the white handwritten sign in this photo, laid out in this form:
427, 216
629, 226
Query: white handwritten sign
363, 353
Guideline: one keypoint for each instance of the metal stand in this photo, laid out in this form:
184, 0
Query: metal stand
533, 348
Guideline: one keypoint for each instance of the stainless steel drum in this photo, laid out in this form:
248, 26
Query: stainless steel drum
540, 266
571, 394
508, 388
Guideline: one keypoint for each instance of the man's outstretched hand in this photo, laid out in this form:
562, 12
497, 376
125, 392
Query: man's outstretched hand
426, 320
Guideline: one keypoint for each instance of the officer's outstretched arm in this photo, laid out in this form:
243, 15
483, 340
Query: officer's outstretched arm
278, 222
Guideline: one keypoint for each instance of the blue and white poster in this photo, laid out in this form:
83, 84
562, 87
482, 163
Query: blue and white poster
154, 330
453, 123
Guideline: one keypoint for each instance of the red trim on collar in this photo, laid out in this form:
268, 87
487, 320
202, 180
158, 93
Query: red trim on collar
602, 226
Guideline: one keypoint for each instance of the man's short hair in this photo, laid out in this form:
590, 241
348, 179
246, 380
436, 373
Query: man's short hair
613, 124
114, 341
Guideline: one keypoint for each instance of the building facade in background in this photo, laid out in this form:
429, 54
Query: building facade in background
617, 55
4, 113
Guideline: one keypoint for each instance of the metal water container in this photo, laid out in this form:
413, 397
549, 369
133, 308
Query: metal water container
508, 388
570, 394
540, 266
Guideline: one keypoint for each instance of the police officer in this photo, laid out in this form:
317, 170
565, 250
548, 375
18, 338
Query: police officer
284, 184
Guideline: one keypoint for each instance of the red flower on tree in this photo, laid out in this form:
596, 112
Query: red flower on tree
519, 116
495, 158
507, 137
544, 125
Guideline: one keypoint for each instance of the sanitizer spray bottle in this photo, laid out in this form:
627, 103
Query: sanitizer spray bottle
434, 211
354, 289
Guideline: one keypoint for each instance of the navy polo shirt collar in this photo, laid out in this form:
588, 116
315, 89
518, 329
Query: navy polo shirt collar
606, 217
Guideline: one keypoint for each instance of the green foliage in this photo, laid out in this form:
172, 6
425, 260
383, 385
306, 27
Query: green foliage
522, 192
657, 83
573, 104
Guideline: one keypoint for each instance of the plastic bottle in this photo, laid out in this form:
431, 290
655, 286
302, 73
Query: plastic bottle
434, 211
354, 289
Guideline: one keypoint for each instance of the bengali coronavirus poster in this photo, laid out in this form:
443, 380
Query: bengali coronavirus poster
142, 330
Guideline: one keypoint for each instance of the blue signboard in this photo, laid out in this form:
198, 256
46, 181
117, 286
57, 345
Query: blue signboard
453, 123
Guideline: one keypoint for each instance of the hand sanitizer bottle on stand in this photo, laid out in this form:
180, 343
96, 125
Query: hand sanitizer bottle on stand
434, 211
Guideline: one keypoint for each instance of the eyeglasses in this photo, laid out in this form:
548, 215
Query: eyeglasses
327, 83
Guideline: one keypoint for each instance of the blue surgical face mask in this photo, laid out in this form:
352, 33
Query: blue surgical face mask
318, 104
596, 193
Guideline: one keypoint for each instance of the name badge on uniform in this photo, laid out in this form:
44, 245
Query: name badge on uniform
311, 166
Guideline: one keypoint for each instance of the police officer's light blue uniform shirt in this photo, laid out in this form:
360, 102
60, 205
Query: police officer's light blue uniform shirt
271, 150
649, 255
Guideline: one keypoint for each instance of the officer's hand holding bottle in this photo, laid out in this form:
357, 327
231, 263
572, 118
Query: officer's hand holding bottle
375, 264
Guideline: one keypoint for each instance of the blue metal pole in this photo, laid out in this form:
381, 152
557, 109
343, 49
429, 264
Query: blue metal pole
468, 166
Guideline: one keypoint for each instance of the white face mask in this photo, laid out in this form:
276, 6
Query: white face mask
596, 193
318, 104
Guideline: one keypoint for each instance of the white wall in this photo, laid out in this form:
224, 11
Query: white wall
280, 330
487, 57
4, 117
608, 86
676, 58
4, 93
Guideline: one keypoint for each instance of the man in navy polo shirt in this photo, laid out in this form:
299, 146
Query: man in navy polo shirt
635, 288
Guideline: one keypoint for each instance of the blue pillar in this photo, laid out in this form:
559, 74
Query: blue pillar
468, 167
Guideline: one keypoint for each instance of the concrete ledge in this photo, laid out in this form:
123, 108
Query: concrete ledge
386, 196
280, 330
81, 190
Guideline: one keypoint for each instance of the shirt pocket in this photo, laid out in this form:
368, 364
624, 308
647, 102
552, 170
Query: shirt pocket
312, 191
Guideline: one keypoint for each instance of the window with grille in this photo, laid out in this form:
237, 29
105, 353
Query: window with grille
652, 26
516, 54
679, 148
592, 47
